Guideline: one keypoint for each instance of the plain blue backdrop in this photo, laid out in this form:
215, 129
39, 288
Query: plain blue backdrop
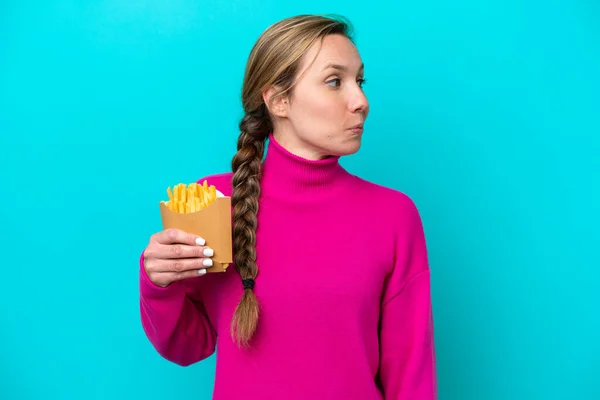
486, 113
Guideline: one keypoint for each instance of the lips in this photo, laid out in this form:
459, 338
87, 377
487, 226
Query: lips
357, 128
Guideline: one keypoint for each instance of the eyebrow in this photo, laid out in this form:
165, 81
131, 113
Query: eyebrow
340, 67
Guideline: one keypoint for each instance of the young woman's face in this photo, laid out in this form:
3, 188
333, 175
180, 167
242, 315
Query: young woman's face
327, 109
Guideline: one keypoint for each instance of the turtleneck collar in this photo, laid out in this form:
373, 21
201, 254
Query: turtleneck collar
289, 175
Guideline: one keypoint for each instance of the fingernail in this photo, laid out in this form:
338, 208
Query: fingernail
200, 241
201, 271
207, 263
209, 252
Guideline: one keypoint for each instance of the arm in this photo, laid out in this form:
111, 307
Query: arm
407, 366
175, 324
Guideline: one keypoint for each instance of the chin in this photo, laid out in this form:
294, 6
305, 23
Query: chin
348, 147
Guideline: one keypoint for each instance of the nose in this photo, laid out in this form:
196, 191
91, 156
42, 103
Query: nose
358, 102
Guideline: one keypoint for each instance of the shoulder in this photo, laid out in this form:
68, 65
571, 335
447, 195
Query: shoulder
222, 181
396, 203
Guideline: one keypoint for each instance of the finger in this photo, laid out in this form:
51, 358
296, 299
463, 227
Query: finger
177, 236
177, 264
160, 252
165, 278
182, 264
171, 251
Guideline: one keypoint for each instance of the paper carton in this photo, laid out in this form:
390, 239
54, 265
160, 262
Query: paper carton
212, 223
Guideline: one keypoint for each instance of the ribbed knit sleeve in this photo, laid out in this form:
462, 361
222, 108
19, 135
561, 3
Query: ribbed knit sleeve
407, 359
174, 320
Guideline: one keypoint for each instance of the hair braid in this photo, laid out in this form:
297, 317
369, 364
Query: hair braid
246, 166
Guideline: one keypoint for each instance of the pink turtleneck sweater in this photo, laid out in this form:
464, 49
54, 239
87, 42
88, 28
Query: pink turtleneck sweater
344, 286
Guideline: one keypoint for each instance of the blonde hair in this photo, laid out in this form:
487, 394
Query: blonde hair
274, 60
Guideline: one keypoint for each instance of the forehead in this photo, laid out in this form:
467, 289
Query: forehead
334, 49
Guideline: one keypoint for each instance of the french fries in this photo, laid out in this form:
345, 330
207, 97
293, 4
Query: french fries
191, 198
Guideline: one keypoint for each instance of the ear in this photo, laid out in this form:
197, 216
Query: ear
277, 105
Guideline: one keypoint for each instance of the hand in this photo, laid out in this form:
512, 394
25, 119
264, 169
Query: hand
173, 255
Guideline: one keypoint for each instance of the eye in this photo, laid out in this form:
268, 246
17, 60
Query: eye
336, 82
361, 82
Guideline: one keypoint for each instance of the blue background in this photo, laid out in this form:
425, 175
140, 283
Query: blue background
485, 112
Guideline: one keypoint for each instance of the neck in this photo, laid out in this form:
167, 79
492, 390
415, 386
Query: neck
292, 145
287, 174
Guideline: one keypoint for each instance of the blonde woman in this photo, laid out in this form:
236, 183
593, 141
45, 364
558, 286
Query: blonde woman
330, 294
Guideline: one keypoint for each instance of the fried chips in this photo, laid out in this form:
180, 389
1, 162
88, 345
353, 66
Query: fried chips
187, 199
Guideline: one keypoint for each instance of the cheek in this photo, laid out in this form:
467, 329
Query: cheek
318, 108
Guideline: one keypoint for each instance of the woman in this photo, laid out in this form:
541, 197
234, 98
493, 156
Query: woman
330, 295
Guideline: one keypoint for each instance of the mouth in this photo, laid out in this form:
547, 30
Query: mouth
357, 128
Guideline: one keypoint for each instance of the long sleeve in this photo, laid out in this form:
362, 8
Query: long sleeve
174, 322
407, 366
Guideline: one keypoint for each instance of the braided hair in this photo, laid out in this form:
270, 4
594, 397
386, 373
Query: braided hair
246, 163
